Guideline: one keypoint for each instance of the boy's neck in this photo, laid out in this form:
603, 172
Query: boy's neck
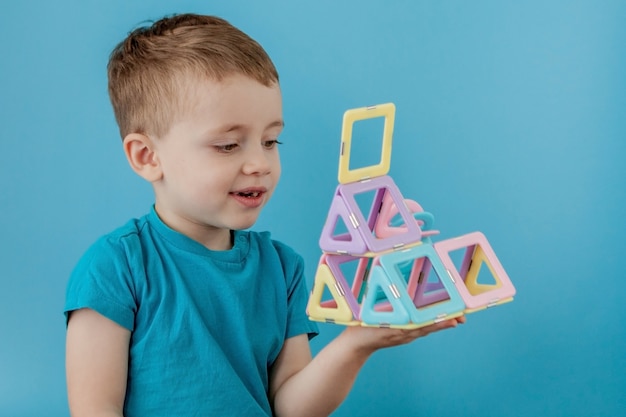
213, 238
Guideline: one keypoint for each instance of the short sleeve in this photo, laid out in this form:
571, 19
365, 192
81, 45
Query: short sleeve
297, 294
102, 281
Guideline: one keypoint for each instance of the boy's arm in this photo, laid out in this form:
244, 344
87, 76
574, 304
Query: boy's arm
96, 365
300, 386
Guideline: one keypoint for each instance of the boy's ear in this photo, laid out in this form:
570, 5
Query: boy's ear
142, 157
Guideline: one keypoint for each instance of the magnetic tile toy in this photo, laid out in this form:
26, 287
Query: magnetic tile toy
401, 278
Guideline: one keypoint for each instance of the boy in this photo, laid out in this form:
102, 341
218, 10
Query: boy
182, 312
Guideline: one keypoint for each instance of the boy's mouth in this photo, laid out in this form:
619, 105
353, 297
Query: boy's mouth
252, 197
249, 194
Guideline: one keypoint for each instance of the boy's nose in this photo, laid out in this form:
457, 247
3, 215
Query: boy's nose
258, 162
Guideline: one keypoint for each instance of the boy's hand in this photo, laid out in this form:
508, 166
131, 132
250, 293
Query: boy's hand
316, 388
302, 387
369, 339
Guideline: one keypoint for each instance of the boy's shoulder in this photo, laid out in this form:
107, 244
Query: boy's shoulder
266, 238
291, 262
132, 229
137, 237
120, 239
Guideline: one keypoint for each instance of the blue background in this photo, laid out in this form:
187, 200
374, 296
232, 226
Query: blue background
511, 120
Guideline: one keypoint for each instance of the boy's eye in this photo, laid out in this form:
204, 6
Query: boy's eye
270, 144
226, 148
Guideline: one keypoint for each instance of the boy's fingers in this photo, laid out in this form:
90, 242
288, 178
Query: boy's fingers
425, 331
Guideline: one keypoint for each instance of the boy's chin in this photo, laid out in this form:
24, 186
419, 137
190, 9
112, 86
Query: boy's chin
243, 225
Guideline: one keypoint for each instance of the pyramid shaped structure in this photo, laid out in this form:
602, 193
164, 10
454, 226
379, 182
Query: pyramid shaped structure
398, 277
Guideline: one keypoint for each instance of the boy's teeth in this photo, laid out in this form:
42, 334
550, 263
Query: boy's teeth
255, 194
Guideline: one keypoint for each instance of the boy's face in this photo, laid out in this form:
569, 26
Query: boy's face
220, 161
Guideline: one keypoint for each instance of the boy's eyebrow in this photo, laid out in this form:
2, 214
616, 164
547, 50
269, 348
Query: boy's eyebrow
235, 127
277, 123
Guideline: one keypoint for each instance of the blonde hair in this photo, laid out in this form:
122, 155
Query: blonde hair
150, 71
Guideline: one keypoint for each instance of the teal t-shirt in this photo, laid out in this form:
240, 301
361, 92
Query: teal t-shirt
205, 325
